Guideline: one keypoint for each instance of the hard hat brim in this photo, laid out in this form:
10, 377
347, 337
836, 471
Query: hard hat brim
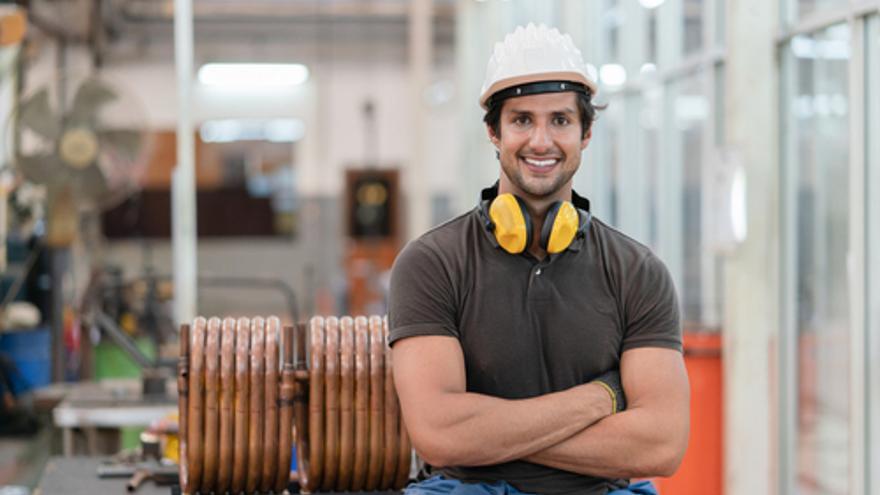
532, 78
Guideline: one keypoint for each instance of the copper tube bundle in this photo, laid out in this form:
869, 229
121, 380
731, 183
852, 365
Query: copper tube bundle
248, 388
350, 435
236, 381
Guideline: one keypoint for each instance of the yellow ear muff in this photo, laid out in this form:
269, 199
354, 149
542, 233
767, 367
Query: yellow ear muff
563, 222
513, 228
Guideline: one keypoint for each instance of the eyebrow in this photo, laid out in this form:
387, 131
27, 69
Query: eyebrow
564, 111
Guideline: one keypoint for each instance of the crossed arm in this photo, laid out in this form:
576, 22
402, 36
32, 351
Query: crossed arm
570, 430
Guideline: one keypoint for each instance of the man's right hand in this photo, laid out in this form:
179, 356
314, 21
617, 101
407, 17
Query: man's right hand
610, 381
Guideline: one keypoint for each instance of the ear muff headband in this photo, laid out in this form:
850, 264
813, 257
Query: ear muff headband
512, 224
563, 224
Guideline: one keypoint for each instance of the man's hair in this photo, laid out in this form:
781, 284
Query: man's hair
586, 109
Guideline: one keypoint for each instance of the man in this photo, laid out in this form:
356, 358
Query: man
509, 323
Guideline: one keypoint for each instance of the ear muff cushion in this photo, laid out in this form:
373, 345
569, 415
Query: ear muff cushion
563, 228
512, 223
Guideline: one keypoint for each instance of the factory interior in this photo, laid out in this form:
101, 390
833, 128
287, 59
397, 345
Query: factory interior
175, 174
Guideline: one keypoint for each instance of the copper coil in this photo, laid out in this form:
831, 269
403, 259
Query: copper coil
241, 406
249, 389
377, 402
285, 411
361, 403
346, 403
301, 406
391, 417
212, 403
227, 418
196, 396
255, 420
270, 405
310, 476
331, 402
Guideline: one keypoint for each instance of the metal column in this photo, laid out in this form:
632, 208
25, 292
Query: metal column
418, 192
183, 200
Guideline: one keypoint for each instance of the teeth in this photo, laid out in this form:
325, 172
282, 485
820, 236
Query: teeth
540, 163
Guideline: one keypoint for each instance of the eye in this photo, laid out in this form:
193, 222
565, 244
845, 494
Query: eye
560, 120
522, 120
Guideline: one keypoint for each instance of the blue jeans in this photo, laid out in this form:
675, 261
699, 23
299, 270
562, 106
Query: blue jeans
438, 485
638, 488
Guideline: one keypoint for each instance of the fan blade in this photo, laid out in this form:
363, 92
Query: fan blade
44, 169
90, 184
90, 95
126, 143
36, 115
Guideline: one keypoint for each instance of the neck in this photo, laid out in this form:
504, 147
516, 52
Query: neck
537, 207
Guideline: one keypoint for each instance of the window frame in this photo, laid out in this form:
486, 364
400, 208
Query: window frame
863, 344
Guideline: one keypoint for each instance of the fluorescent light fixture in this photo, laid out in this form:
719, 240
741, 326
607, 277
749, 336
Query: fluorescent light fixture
272, 130
651, 4
612, 74
248, 76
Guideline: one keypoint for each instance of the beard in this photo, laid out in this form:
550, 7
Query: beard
538, 187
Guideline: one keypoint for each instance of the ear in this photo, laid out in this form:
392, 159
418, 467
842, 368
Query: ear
586, 140
496, 141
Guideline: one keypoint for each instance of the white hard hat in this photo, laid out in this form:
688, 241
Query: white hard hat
535, 54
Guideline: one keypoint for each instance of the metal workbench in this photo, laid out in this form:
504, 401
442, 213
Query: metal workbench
109, 404
78, 476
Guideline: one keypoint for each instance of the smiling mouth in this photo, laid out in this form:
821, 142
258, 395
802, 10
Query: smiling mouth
541, 163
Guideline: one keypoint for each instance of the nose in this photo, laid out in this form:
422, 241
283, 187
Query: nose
540, 141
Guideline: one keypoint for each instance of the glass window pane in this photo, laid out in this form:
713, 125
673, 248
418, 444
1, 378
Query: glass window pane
693, 17
651, 33
649, 123
807, 7
820, 163
612, 20
692, 113
526, 11
613, 116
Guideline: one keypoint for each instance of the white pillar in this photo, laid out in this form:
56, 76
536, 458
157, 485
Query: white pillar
183, 183
418, 192
752, 282
857, 263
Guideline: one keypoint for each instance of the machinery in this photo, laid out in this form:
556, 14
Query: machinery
84, 162
250, 389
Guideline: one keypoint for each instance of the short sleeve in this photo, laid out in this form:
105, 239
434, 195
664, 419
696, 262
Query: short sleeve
421, 299
652, 317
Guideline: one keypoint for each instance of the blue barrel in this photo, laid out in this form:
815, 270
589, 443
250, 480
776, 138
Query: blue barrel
31, 353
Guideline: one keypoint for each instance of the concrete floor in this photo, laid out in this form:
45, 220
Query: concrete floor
22, 460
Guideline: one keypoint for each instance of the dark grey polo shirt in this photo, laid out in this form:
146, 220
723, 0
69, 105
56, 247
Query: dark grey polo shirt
530, 327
